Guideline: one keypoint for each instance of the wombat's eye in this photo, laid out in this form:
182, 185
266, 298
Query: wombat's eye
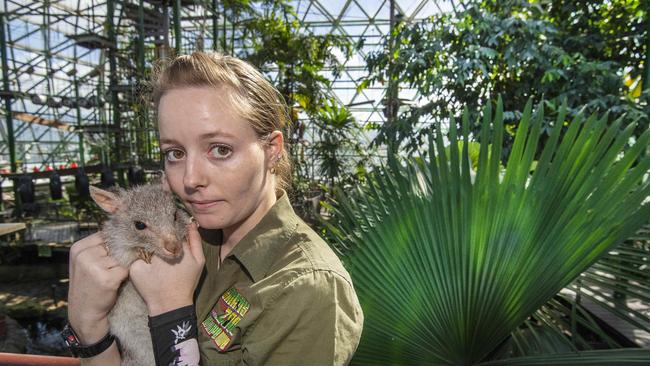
140, 225
175, 216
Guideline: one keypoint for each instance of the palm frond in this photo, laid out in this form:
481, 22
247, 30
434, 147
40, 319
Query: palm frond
448, 263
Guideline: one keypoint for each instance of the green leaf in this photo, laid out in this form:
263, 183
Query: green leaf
447, 266
488, 52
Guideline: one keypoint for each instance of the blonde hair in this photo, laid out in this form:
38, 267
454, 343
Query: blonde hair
253, 97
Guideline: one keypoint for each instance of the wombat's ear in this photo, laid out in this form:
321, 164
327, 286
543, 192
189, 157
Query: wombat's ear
161, 179
164, 182
108, 201
165, 185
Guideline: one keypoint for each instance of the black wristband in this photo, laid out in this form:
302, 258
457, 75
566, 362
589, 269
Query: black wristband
85, 351
172, 329
170, 317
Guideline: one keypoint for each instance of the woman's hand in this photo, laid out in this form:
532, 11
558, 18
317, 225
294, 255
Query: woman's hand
95, 278
164, 286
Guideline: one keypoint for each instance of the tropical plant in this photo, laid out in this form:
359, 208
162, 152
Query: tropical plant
275, 41
339, 147
452, 264
589, 54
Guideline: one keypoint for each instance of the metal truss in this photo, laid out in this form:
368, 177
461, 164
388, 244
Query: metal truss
73, 70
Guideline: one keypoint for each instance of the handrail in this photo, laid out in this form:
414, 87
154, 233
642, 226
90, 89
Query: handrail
17, 359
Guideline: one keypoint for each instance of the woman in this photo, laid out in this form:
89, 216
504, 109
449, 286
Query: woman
269, 291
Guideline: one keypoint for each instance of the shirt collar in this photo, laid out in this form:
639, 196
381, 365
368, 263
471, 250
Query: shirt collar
258, 249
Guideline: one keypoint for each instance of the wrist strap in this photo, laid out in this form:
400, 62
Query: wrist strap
85, 351
174, 336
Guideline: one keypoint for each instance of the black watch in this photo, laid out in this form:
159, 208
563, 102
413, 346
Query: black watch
79, 350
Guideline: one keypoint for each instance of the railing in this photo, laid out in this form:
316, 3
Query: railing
16, 359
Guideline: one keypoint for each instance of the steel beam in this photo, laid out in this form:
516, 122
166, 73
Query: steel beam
6, 85
177, 27
115, 103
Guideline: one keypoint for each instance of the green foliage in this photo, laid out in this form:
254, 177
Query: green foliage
277, 44
449, 263
338, 148
278, 41
578, 52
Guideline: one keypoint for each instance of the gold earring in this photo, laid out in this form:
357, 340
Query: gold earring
277, 159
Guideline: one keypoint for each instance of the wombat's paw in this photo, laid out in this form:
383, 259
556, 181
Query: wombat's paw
145, 255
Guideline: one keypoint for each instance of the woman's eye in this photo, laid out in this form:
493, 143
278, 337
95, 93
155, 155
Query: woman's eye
221, 151
174, 155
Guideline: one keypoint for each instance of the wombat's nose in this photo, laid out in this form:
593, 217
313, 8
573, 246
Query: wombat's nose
173, 248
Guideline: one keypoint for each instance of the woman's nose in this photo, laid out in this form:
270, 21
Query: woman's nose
194, 176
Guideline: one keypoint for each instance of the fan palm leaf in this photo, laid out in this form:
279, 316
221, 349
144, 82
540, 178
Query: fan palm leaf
448, 263
615, 288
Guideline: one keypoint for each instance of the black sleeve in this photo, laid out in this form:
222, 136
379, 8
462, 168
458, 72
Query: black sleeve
174, 336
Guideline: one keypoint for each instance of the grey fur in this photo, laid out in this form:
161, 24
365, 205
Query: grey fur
165, 226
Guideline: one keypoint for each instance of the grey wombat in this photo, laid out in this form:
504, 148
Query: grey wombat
143, 221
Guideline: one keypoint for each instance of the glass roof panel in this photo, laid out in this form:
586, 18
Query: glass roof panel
34, 70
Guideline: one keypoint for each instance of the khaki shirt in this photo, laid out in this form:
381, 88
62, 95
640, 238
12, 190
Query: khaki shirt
281, 297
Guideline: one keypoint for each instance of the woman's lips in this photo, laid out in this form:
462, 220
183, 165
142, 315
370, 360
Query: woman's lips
198, 206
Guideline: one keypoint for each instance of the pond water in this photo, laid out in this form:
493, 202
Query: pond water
43, 338
33, 292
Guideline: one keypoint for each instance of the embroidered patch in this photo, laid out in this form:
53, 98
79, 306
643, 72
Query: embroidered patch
224, 317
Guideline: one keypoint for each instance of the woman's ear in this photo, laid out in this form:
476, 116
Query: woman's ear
274, 147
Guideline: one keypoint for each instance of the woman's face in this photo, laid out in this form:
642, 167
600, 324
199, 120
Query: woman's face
213, 159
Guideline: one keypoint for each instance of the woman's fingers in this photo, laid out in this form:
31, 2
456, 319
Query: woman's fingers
140, 266
91, 258
120, 272
95, 278
95, 239
109, 262
194, 243
91, 241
